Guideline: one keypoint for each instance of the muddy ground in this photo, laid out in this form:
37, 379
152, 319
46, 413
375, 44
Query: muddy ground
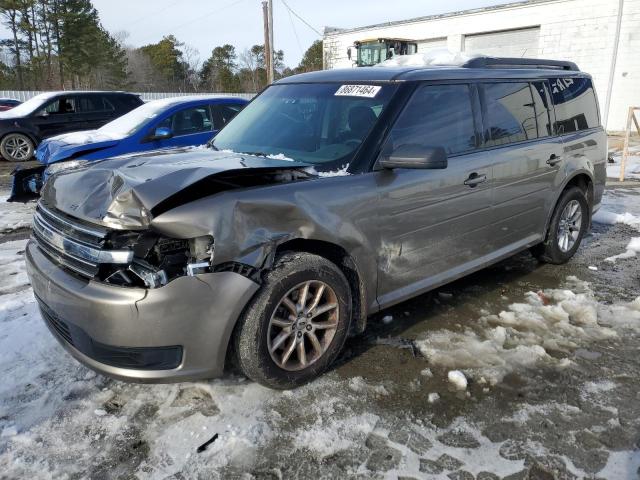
370, 416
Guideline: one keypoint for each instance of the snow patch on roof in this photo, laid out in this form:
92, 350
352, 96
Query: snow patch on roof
438, 57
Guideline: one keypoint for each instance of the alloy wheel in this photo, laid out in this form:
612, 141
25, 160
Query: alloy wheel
303, 325
569, 226
17, 147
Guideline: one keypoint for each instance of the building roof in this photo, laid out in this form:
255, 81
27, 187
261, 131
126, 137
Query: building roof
337, 30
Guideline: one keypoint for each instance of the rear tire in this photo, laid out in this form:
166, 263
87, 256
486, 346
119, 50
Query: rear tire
16, 147
282, 320
567, 227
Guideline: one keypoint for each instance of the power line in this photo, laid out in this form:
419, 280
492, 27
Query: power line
301, 19
153, 14
295, 32
206, 15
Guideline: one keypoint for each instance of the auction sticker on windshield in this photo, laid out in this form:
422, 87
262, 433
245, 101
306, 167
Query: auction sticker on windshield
368, 91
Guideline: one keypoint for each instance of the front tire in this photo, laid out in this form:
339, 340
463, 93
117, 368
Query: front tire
16, 147
567, 227
296, 325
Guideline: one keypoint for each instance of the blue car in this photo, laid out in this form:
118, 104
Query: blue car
159, 124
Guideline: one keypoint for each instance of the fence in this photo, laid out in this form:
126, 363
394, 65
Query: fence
24, 95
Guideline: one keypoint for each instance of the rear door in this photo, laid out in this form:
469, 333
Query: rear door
94, 111
434, 224
526, 155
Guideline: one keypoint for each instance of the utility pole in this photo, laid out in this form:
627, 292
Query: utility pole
270, 68
267, 40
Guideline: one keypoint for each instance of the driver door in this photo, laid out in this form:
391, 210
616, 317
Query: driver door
190, 127
55, 118
434, 224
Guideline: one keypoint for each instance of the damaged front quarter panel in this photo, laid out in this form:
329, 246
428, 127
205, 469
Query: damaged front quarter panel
249, 225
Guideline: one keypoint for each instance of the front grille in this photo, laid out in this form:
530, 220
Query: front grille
74, 245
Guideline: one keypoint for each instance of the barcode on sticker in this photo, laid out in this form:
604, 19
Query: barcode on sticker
368, 91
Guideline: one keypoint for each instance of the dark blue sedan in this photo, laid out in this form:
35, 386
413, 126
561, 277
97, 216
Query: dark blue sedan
159, 124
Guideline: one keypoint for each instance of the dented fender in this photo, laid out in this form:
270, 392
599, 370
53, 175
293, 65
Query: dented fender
249, 225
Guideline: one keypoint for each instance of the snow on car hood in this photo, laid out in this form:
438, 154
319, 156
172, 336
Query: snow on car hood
125, 184
68, 145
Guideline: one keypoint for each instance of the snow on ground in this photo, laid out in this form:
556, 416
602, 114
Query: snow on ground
14, 215
633, 248
14, 275
621, 206
56, 415
631, 168
551, 321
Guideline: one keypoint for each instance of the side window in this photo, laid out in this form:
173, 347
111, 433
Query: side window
575, 104
436, 116
89, 104
107, 105
510, 113
223, 114
188, 121
541, 101
61, 106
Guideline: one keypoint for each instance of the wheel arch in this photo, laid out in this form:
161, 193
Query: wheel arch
582, 179
22, 132
341, 258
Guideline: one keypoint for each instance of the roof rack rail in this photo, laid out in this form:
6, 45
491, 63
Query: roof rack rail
504, 62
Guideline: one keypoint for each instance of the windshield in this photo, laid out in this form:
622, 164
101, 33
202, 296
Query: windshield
133, 121
320, 124
30, 106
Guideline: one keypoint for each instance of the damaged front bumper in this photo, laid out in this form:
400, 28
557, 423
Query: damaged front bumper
178, 332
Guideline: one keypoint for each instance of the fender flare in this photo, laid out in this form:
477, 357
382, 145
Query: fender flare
561, 190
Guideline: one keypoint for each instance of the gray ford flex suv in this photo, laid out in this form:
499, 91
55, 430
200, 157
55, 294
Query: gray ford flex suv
333, 195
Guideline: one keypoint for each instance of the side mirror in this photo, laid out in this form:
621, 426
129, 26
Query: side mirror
416, 156
43, 114
162, 133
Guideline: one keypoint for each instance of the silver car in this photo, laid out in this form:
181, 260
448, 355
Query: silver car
332, 196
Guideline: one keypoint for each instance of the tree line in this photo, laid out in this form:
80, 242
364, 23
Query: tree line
61, 44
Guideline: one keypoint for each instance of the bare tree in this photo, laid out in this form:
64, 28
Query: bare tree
191, 57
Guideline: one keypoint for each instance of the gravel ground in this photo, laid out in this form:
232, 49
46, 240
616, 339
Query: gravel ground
549, 355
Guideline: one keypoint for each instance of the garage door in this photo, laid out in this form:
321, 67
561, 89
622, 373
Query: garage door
509, 43
432, 43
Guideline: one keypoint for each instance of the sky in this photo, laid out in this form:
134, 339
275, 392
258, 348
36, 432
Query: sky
205, 24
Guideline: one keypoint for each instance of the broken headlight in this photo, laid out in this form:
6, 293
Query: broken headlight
61, 166
157, 259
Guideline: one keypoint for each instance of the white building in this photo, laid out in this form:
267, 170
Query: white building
601, 36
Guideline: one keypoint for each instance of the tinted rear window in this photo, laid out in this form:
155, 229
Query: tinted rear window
575, 104
510, 113
436, 116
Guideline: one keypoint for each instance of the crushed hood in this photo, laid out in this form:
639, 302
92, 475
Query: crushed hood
159, 181
71, 145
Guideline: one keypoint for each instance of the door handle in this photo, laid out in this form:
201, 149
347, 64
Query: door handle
554, 159
475, 179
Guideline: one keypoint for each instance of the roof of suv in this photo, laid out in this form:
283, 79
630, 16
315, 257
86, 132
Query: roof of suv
478, 68
390, 74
